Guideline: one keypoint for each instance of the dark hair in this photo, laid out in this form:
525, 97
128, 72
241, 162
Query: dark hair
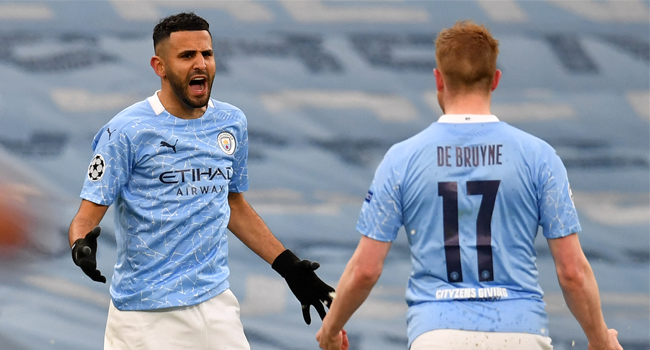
183, 21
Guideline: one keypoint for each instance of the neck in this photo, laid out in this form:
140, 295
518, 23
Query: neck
176, 107
467, 103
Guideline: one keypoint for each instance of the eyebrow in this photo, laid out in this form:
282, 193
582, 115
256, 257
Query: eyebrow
184, 52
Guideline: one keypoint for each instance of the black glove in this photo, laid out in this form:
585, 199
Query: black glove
84, 252
304, 283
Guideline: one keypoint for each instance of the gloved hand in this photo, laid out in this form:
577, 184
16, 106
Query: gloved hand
84, 252
304, 283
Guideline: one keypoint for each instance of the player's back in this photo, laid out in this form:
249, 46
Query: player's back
472, 198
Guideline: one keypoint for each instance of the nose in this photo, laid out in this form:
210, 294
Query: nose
200, 63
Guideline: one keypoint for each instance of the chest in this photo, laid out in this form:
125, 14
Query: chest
183, 155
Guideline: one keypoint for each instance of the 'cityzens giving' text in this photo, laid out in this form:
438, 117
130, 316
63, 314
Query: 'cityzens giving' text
491, 293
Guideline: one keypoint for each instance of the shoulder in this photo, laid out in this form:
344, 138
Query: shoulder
414, 143
137, 113
224, 110
400, 154
526, 140
220, 105
127, 123
538, 154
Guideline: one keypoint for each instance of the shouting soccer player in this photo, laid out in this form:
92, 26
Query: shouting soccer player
175, 166
471, 192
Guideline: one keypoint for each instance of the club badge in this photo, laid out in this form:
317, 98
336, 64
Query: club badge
96, 168
227, 142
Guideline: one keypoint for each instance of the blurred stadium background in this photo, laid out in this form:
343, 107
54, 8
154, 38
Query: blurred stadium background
327, 87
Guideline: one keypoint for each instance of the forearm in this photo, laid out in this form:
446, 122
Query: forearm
352, 290
79, 227
88, 216
583, 299
252, 231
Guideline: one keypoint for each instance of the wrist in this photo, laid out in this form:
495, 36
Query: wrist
328, 332
285, 262
76, 242
73, 251
600, 342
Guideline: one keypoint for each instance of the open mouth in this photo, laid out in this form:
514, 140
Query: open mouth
198, 85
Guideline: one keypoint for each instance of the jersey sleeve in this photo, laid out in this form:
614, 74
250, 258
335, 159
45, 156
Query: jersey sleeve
557, 212
239, 181
381, 212
110, 167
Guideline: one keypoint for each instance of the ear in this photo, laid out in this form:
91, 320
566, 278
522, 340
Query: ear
495, 81
440, 84
158, 66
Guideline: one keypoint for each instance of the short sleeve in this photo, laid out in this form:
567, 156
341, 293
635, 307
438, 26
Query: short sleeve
239, 181
110, 167
557, 212
381, 212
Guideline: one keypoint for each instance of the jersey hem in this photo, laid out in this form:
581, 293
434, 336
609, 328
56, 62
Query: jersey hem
125, 305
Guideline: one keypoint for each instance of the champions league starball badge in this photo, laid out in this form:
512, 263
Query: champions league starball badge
96, 168
226, 142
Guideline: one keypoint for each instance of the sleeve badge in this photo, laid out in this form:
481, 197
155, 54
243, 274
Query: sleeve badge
96, 168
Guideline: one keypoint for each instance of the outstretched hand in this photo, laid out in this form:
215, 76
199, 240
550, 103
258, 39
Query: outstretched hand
304, 283
84, 255
339, 341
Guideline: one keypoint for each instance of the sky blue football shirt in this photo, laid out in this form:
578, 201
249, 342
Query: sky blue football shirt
471, 192
169, 179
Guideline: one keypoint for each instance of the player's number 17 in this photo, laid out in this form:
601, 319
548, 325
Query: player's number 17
449, 193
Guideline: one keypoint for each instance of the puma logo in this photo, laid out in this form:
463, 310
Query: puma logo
108, 130
165, 144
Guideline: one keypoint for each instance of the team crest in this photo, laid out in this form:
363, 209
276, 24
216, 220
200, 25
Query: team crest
96, 168
227, 142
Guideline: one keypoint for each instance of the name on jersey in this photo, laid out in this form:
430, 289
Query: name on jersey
473, 156
492, 293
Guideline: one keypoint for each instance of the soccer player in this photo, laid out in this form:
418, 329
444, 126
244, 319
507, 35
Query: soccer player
175, 166
471, 192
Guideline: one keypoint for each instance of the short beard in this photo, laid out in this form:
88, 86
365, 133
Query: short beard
179, 88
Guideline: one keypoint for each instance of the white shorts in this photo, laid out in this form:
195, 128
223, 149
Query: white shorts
453, 339
211, 325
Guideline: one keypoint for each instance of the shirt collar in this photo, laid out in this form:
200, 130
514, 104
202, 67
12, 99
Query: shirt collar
158, 107
467, 118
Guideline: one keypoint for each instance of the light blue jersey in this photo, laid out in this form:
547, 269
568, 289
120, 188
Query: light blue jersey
471, 192
169, 179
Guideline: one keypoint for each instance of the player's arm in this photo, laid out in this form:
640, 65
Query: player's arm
251, 229
580, 291
358, 279
88, 217
299, 274
82, 236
